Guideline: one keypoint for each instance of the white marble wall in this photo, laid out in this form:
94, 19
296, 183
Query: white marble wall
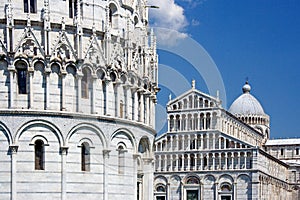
62, 177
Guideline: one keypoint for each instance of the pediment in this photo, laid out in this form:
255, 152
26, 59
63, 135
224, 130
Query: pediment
63, 49
28, 45
192, 99
94, 53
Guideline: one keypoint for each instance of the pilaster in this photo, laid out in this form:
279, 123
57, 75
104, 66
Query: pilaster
63, 152
105, 173
13, 152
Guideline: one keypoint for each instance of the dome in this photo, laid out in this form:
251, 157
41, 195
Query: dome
246, 104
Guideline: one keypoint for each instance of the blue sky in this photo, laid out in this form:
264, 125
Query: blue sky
258, 39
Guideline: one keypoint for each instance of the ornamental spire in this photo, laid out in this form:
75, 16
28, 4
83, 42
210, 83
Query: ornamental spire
246, 87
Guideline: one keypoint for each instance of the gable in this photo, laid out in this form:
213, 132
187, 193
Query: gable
193, 99
94, 53
28, 45
63, 48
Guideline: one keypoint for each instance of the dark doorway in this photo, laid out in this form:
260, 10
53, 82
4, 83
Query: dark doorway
225, 197
160, 198
192, 194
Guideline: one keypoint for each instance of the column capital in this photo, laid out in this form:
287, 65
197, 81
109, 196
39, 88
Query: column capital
148, 160
106, 153
94, 77
137, 155
79, 75
13, 149
126, 85
11, 68
134, 88
141, 90
64, 150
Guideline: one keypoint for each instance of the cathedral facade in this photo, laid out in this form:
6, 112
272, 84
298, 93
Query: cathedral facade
211, 153
78, 84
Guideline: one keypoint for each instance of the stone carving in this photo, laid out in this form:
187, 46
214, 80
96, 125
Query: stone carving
94, 53
63, 48
117, 56
28, 45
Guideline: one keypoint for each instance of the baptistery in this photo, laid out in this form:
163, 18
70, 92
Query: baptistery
78, 84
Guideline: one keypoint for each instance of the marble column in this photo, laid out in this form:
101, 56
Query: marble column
159, 163
63, 90
106, 173
30, 74
232, 160
226, 160
214, 161
47, 89
94, 80
11, 86
13, 151
142, 107
64, 152
239, 160
201, 162
245, 160
79, 77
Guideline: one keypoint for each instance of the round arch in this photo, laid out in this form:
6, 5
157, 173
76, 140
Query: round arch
32, 123
160, 179
92, 127
37, 60
191, 176
7, 133
225, 178
53, 63
241, 176
144, 146
114, 3
130, 136
88, 67
101, 73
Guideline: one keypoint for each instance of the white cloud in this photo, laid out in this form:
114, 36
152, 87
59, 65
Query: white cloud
171, 16
194, 3
195, 22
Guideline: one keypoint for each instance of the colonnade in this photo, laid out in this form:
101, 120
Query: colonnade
255, 120
237, 129
103, 96
192, 121
191, 102
195, 121
185, 142
230, 160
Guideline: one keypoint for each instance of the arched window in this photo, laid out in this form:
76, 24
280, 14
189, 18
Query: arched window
39, 155
192, 180
112, 15
29, 6
121, 159
85, 84
281, 152
22, 77
225, 192
193, 143
160, 188
73, 8
160, 192
205, 163
136, 20
85, 157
